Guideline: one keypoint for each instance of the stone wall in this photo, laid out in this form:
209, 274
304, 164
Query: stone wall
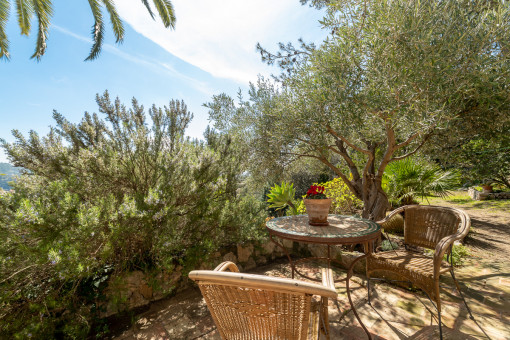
137, 289
482, 195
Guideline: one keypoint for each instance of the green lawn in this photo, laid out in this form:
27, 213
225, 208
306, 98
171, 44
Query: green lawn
462, 198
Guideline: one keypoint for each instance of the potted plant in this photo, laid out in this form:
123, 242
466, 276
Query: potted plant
487, 187
317, 206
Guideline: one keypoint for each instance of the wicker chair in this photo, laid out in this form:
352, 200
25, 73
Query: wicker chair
249, 306
430, 227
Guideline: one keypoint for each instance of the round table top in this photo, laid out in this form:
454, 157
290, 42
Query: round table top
341, 229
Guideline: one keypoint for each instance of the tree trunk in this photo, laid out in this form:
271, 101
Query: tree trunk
375, 201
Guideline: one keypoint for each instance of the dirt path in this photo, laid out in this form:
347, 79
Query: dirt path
489, 237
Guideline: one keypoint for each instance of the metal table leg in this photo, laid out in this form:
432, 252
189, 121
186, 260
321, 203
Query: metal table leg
349, 275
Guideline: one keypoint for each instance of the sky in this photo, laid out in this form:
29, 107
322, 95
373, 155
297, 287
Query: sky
211, 51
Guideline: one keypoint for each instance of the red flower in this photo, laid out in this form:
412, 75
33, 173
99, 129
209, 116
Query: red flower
316, 190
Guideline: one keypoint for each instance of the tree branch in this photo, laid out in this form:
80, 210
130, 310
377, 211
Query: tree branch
425, 138
343, 139
16, 273
408, 141
390, 134
340, 174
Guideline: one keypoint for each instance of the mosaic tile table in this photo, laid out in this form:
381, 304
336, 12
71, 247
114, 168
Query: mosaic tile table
342, 230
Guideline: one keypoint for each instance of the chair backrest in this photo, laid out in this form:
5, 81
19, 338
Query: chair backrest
426, 225
248, 306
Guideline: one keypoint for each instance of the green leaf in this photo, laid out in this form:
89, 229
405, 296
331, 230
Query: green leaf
118, 27
24, 11
43, 11
4, 16
97, 29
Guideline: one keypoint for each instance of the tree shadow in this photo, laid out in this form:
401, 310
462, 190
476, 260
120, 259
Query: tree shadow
432, 332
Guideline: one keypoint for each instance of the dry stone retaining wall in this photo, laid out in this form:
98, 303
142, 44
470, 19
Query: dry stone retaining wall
482, 195
137, 289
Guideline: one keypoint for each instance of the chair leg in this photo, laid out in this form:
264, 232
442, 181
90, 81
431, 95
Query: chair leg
461, 295
368, 289
324, 319
439, 321
438, 306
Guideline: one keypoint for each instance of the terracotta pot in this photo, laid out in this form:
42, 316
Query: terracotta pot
318, 210
487, 188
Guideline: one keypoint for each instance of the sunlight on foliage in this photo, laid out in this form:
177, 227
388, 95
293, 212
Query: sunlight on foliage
408, 180
282, 196
344, 202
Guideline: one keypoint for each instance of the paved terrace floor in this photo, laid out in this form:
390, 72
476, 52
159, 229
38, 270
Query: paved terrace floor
396, 313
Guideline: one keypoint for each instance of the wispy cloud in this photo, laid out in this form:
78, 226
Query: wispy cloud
219, 36
142, 60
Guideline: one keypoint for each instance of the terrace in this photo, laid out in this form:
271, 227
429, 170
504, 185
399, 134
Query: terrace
397, 312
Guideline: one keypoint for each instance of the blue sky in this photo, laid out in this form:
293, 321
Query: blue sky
211, 51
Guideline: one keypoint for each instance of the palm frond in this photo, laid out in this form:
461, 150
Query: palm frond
24, 11
43, 10
4, 16
97, 29
146, 3
118, 27
408, 179
166, 12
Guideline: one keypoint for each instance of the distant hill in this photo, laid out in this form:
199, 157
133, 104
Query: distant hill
7, 172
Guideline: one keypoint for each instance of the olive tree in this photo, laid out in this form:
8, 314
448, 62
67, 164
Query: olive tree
389, 76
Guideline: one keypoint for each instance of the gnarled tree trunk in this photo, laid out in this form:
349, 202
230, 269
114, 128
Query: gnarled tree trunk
375, 202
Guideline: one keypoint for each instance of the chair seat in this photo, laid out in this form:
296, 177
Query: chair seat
406, 262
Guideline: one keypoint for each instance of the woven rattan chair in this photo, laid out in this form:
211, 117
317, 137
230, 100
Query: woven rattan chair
430, 227
249, 306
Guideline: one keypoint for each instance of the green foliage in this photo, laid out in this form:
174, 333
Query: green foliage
282, 197
487, 161
459, 254
465, 202
389, 76
387, 245
343, 201
302, 173
409, 179
104, 196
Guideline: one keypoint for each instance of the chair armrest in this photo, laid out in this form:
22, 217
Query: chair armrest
445, 243
327, 278
227, 265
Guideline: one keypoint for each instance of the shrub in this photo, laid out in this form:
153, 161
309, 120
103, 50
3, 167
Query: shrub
387, 245
459, 254
281, 197
105, 196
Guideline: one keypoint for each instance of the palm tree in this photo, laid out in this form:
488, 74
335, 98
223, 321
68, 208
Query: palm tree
43, 10
406, 180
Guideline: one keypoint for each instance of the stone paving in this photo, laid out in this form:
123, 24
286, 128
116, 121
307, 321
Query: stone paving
396, 313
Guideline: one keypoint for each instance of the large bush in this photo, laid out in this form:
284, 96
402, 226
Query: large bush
108, 195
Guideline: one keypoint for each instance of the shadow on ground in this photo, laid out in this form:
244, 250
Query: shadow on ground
396, 313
